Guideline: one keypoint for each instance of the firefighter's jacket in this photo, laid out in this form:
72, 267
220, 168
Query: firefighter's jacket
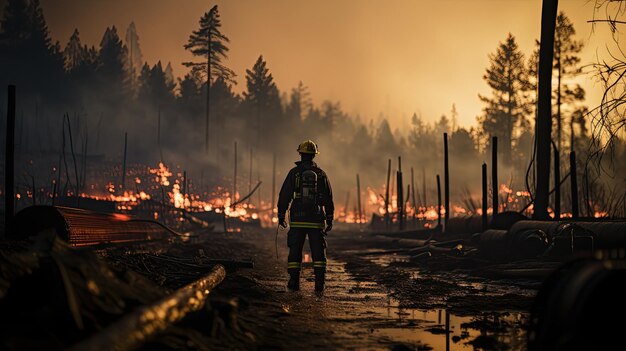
290, 193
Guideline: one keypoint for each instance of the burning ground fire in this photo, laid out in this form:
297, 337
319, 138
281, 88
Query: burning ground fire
509, 200
159, 185
162, 185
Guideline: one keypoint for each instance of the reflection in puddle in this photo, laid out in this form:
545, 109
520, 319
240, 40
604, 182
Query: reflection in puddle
369, 305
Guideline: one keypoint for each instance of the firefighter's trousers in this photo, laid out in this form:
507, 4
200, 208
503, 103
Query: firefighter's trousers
295, 241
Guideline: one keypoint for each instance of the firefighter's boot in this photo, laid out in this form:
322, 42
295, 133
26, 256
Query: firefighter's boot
319, 282
294, 281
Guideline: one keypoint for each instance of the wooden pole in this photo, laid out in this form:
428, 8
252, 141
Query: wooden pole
424, 187
124, 162
438, 202
387, 218
32, 179
83, 177
494, 174
69, 129
413, 195
9, 164
407, 202
574, 184
234, 199
258, 176
273, 184
347, 204
54, 192
358, 196
250, 178
557, 183
485, 198
159, 135
202, 181
58, 181
543, 125
208, 97
163, 212
446, 179
400, 195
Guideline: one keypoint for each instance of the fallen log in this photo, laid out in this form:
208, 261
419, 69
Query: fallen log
135, 329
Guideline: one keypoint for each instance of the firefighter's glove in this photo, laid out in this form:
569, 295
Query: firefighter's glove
329, 226
282, 223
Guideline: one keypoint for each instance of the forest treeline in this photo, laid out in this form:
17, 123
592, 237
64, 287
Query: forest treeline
109, 89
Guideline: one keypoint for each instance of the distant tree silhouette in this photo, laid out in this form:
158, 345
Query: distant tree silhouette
567, 94
442, 126
454, 118
80, 64
36, 64
111, 68
155, 89
532, 68
384, 140
262, 99
209, 42
225, 103
169, 74
421, 137
299, 103
74, 53
189, 86
134, 58
331, 114
508, 107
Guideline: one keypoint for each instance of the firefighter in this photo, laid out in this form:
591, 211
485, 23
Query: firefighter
307, 190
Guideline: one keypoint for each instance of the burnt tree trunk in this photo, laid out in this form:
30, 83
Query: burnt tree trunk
543, 126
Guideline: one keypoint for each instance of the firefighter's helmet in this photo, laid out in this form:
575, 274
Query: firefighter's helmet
308, 147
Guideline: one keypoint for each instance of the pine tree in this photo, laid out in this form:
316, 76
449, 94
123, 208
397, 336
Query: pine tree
508, 107
454, 116
262, 98
299, 103
568, 95
209, 42
384, 140
111, 58
189, 87
155, 88
36, 64
75, 53
169, 74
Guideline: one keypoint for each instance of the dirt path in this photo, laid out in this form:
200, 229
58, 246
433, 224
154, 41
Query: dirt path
370, 304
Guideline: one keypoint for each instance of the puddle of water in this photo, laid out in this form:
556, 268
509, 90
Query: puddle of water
386, 260
367, 306
443, 331
487, 288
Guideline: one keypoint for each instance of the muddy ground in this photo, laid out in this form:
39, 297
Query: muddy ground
374, 300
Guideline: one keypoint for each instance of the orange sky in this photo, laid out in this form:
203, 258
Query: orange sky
391, 57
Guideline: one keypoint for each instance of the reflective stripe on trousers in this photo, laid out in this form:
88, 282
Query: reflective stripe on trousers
312, 225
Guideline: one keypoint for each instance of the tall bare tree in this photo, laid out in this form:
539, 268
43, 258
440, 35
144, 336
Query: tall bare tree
209, 42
